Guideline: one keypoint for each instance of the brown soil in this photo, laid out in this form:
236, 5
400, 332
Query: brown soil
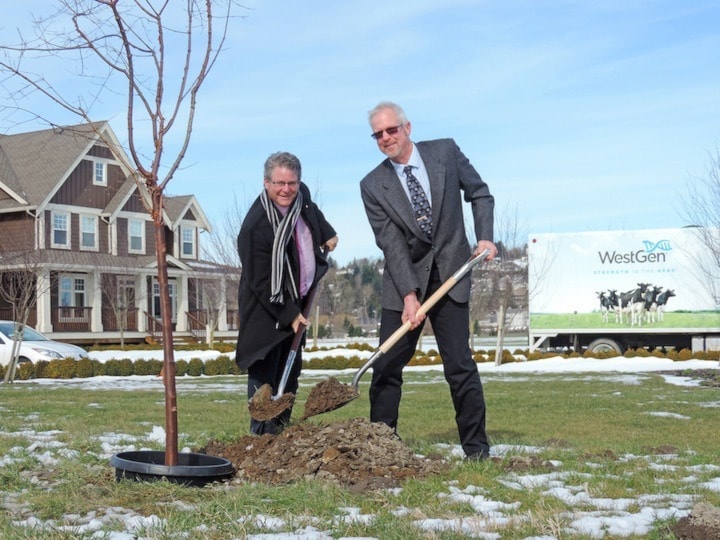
355, 453
703, 523
262, 407
327, 396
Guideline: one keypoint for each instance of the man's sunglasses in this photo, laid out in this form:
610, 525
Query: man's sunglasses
390, 131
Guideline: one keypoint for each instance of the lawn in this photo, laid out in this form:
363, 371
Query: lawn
568, 447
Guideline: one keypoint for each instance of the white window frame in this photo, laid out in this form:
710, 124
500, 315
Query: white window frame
94, 232
77, 290
190, 241
101, 168
68, 229
125, 292
172, 289
72, 298
141, 224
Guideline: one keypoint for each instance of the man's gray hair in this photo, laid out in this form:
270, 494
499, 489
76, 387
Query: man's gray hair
402, 118
285, 160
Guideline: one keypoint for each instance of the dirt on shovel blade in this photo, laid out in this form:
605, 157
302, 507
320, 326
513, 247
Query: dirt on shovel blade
327, 396
262, 407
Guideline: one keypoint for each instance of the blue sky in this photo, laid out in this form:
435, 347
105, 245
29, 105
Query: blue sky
579, 115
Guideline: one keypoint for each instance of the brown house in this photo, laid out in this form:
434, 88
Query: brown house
72, 217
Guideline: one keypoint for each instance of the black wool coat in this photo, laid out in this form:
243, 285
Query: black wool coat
264, 325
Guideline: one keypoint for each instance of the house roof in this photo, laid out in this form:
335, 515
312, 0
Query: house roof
33, 166
177, 207
46, 156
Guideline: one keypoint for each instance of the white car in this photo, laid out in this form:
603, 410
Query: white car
34, 346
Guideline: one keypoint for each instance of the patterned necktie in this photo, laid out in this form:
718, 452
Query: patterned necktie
423, 212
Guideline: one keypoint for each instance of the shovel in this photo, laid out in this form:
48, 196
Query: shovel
263, 406
331, 394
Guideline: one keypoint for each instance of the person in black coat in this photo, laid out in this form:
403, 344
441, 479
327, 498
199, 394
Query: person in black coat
282, 243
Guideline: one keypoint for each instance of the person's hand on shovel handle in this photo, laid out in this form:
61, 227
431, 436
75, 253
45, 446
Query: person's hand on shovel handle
299, 323
482, 245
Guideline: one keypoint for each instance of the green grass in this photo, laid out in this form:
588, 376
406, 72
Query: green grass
602, 430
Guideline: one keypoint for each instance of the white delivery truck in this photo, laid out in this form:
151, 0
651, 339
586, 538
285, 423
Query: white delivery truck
617, 290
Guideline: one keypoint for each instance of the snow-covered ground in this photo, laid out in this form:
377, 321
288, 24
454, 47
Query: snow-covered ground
595, 517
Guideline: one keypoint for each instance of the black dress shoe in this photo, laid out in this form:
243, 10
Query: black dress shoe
478, 456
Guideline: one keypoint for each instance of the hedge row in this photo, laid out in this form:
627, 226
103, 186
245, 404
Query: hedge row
225, 365
69, 368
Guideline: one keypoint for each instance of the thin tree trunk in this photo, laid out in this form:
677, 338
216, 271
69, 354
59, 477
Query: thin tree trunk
171, 425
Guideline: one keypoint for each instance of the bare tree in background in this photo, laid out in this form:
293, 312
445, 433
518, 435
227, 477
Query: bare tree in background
156, 54
701, 209
701, 206
119, 295
221, 249
23, 279
511, 234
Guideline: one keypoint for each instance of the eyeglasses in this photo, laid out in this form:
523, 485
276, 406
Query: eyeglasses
291, 185
390, 131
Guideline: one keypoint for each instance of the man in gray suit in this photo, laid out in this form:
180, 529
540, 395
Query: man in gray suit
423, 248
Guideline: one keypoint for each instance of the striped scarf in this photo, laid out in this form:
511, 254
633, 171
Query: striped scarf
283, 229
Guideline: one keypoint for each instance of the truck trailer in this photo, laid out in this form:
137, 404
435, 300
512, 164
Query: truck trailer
619, 290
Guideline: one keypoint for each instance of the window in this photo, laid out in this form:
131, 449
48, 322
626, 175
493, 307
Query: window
172, 287
72, 291
88, 233
187, 235
100, 176
60, 230
136, 236
125, 292
71, 300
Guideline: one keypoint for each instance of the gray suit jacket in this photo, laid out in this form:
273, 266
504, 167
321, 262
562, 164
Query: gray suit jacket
409, 255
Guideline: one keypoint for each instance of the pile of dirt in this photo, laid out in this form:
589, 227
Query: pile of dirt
355, 453
703, 523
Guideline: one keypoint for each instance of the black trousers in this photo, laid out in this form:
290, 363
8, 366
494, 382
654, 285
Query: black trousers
450, 322
269, 371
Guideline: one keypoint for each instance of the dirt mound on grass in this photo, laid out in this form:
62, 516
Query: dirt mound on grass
703, 523
355, 453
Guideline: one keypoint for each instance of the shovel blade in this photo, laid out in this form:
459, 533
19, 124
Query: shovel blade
264, 406
328, 395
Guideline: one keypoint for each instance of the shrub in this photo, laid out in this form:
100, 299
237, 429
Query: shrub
685, 354
222, 365
181, 368
224, 347
24, 371
195, 367
61, 369
479, 357
119, 368
148, 367
426, 360
86, 368
333, 362
40, 369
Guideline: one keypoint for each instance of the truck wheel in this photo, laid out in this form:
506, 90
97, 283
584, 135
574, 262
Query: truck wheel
602, 345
